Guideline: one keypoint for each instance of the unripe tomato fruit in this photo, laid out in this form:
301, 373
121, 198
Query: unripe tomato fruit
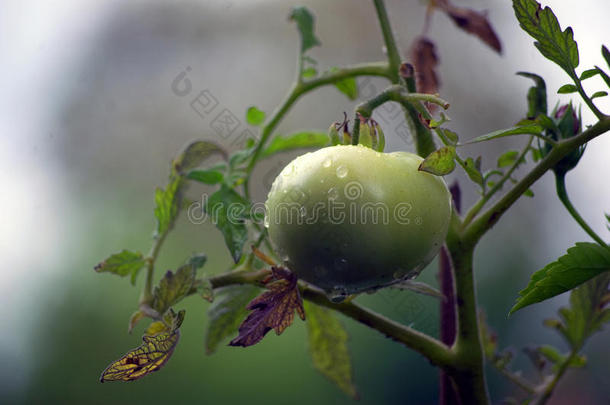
349, 219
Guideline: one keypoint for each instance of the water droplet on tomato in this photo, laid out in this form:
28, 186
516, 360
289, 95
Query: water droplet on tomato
342, 171
327, 162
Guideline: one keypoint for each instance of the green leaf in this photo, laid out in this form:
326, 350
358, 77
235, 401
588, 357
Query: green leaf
599, 94
587, 312
206, 176
519, 130
309, 72
228, 209
167, 204
255, 117
239, 157
508, 158
328, 347
536, 95
440, 162
604, 76
347, 86
205, 290
134, 319
554, 44
195, 154
299, 140
528, 193
198, 260
305, 23
226, 313
589, 73
581, 263
551, 354
123, 264
418, 287
473, 172
567, 88
606, 55
173, 287
450, 136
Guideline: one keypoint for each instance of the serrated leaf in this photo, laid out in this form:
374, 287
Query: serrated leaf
440, 162
195, 154
520, 130
474, 23
254, 116
328, 348
139, 362
599, 94
589, 73
226, 313
567, 89
206, 176
124, 263
418, 287
299, 140
581, 263
228, 209
305, 23
173, 287
554, 44
508, 158
167, 204
473, 172
347, 86
273, 309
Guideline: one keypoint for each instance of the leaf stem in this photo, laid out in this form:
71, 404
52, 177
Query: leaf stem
487, 196
437, 352
158, 240
474, 231
585, 97
300, 88
547, 390
560, 184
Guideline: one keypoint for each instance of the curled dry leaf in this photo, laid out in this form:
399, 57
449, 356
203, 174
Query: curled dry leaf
423, 55
274, 309
474, 23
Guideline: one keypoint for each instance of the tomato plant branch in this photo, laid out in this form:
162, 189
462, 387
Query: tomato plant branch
585, 97
515, 379
562, 193
547, 389
437, 352
469, 371
478, 227
476, 208
158, 240
300, 88
388, 38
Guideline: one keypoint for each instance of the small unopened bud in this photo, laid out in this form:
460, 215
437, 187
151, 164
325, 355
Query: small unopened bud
569, 125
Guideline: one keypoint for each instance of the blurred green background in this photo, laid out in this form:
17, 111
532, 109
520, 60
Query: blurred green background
89, 124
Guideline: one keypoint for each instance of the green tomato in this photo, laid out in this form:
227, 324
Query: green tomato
349, 219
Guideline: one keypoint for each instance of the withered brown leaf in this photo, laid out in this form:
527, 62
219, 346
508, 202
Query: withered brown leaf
274, 309
473, 22
423, 55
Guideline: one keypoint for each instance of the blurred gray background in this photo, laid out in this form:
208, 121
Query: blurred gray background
89, 124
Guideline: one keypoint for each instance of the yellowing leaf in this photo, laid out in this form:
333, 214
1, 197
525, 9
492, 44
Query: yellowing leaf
139, 362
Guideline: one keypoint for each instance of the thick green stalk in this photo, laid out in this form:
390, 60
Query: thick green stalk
469, 370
